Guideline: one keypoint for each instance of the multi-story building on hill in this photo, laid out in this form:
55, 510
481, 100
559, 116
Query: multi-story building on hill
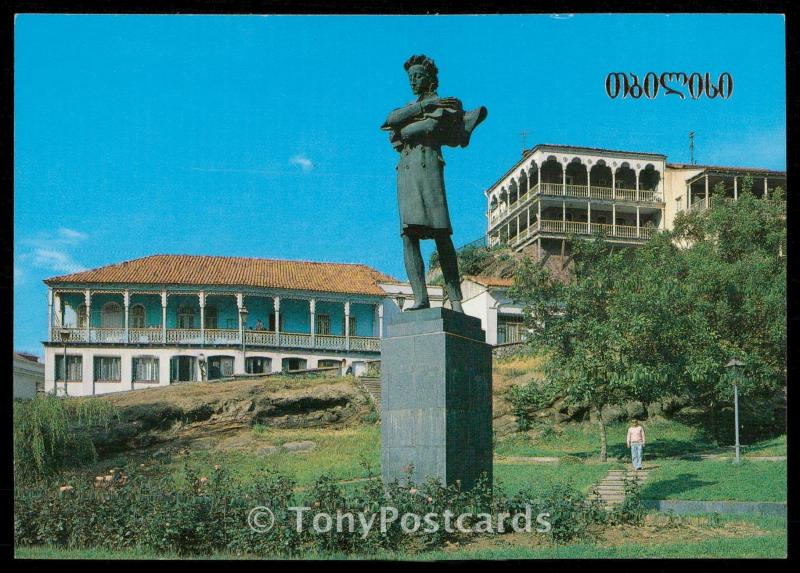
158, 319
559, 190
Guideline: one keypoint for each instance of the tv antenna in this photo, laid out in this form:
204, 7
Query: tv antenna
691, 147
522, 135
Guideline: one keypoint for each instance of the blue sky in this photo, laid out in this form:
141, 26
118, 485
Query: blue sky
258, 136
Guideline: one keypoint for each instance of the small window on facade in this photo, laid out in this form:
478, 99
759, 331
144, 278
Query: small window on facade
145, 369
137, 316
323, 324
111, 316
211, 317
82, 322
107, 368
185, 316
353, 328
329, 363
74, 368
258, 365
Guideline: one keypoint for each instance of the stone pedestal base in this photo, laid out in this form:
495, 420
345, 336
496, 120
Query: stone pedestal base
436, 398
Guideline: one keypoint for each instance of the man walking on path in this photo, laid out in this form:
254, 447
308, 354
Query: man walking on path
635, 442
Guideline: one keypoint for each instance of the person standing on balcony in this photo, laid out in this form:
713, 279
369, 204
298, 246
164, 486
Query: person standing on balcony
635, 441
259, 325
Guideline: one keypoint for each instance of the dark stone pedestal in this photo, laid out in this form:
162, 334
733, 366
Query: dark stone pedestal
436, 398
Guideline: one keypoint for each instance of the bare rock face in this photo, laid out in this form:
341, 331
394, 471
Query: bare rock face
213, 415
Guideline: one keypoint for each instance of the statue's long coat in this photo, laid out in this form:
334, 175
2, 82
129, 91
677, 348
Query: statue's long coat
421, 196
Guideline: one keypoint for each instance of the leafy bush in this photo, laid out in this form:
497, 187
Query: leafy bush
51, 434
526, 399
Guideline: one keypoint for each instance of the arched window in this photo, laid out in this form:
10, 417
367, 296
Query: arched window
185, 316
137, 316
111, 316
211, 317
81, 316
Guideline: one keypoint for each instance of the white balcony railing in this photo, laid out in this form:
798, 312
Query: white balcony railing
146, 335
214, 336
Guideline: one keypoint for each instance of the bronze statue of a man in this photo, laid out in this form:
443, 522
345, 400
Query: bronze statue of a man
418, 131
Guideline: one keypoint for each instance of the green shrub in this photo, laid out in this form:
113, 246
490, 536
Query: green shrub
52, 434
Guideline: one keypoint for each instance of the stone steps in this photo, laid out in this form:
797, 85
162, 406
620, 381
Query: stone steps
611, 489
373, 388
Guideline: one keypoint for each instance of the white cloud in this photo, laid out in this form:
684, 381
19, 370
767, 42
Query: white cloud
304, 162
50, 251
71, 236
55, 260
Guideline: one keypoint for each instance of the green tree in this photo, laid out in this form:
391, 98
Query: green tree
598, 355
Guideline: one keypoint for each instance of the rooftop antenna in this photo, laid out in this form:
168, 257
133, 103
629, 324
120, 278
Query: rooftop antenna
691, 147
523, 134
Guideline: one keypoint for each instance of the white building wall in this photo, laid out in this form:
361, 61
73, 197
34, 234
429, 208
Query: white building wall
88, 386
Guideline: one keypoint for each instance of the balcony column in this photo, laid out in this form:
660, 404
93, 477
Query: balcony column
613, 184
563, 216
347, 325
539, 212
164, 316
589, 217
637, 185
688, 195
564, 179
239, 305
202, 299
613, 218
766, 190
735, 188
528, 218
588, 182
380, 319
637, 221
312, 308
49, 314
126, 299
707, 198
276, 302
87, 298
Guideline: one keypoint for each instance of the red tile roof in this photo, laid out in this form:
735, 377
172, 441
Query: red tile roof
235, 271
491, 281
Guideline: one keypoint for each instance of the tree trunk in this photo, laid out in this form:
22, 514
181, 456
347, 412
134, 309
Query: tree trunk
603, 437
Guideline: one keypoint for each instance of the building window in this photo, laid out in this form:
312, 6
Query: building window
107, 369
329, 363
232, 323
220, 367
258, 365
145, 369
137, 316
291, 364
353, 323
185, 316
82, 322
111, 316
211, 317
510, 329
323, 324
74, 368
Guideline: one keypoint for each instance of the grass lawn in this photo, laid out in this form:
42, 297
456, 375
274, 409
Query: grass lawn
539, 477
665, 438
717, 481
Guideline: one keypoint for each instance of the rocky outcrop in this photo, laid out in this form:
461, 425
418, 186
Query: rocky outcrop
207, 414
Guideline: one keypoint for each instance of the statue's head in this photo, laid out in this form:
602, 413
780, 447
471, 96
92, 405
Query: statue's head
422, 73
